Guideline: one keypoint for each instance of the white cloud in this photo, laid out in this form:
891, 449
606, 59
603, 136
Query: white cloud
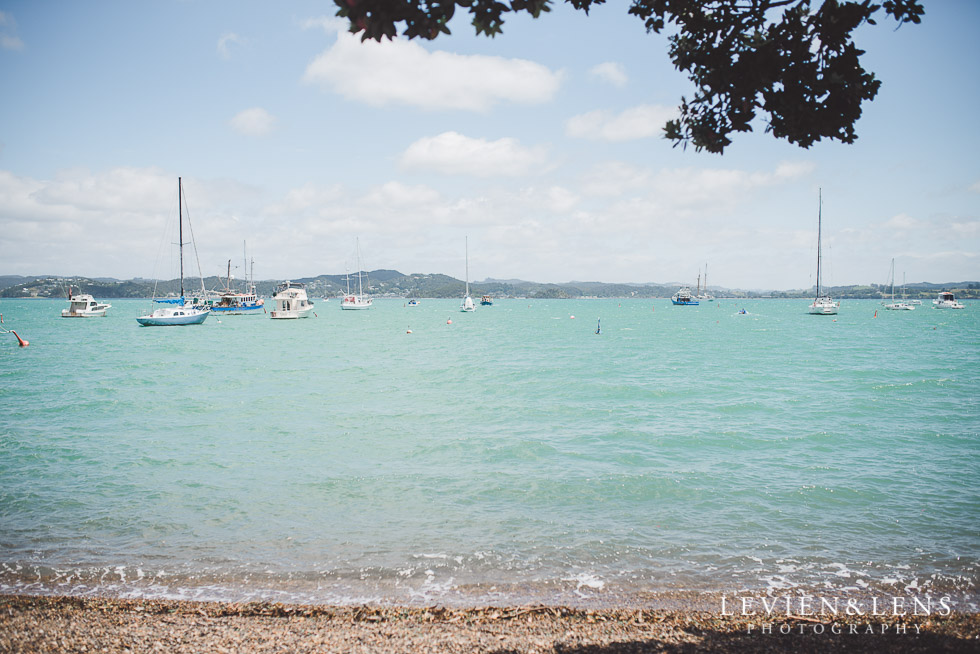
403, 72
967, 229
329, 24
610, 72
9, 41
901, 222
454, 154
225, 43
975, 187
254, 122
639, 122
615, 178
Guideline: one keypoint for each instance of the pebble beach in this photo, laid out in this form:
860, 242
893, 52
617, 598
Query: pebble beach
71, 624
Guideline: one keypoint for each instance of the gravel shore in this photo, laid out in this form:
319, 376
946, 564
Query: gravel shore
68, 624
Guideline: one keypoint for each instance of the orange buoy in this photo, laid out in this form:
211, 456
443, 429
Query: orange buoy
20, 340
449, 322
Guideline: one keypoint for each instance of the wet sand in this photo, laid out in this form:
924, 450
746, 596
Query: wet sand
67, 624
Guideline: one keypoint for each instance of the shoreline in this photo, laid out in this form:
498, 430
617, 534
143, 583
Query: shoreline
77, 624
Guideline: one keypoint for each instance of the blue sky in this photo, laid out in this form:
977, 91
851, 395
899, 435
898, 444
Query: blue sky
542, 146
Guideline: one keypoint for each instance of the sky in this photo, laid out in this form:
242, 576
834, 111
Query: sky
541, 149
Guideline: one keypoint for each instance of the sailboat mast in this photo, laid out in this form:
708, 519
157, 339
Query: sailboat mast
467, 250
180, 232
357, 248
819, 227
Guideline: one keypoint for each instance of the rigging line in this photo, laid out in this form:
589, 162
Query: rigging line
200, 271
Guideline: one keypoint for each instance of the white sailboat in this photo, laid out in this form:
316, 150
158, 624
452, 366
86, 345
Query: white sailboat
467, 304
822, 305
891, 304
358, 301
705, 295
179, 312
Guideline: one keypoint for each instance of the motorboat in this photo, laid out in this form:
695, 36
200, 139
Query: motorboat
291, 301
684, 297
947, 300
84, 306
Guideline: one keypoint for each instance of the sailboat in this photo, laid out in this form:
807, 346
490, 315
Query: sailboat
180, 312
358, 301
467, 304
705, 295
892, 305
822, 305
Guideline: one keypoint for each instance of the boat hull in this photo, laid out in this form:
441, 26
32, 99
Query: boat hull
824, 308
256, 310
65, 313
293, 314
195, 318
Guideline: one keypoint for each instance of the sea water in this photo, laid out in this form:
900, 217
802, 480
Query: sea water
504, 456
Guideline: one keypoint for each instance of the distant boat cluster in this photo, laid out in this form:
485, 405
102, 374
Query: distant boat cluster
292, 302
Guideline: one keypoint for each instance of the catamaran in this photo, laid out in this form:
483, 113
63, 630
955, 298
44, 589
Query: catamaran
822, 305
180, 312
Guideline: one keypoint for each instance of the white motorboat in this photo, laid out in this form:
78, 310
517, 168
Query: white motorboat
178, 312
947, 300
291, 302
84, 306
822, 305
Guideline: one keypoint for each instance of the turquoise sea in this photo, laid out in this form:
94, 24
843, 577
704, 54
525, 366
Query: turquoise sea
511, 456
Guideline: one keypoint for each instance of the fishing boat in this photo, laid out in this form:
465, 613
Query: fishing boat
822, 305
684, 297
84, 306
358, 301
486, 301
179, 312
231, 302
947, 300
467, 304
891, 304
291, 302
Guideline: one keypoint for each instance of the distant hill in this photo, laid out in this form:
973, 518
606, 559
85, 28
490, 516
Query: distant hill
391, 283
